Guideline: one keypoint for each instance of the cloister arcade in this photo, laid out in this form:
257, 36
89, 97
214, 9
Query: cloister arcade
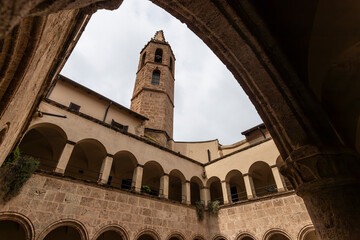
89, 160
17, 227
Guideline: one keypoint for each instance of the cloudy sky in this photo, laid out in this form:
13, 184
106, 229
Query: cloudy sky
209, 103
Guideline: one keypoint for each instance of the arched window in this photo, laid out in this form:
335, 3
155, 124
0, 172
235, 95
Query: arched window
158, 55
143, 59
155, 77
171, 65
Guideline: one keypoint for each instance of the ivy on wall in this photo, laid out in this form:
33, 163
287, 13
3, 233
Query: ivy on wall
14, 173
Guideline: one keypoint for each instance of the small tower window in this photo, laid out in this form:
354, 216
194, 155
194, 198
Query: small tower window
155, 77
171, 65
158, 55
143, 59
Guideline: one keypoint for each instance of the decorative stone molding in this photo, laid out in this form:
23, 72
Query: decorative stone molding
176, 234
113, 227
24, 222
66, 222
149, 231
274, 231
242, 235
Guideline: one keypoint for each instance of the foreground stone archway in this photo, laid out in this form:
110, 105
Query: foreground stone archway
315, 159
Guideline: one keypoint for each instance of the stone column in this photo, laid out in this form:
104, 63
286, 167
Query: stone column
105, 169
205, 195
279, 183
224, 192
186, 192
249, 186
228, 189
164, 186
65, 157
137, 178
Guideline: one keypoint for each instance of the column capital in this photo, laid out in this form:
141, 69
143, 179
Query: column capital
110, 155
309, 165
139, 165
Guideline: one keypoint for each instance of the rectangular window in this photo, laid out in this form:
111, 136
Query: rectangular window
119, 126
74, 107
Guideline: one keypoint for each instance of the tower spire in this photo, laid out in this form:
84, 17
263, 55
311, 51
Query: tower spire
153, 94
159, 36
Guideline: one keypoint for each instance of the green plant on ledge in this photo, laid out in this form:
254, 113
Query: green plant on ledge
146, 189
14, 173
213, 207
200, 208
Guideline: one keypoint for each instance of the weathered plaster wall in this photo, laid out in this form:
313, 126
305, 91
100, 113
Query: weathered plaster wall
78, 128
242, 161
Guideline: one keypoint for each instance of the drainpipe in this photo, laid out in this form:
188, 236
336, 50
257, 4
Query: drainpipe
106, 111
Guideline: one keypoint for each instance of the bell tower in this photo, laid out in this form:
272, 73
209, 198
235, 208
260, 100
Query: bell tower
153, 94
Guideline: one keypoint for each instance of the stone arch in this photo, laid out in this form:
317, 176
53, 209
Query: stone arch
214, 185
235, 186
147, 234
219, 237
176, 186
122, 170
113, 230
276, 234
46, 142
13, 220
152, 173
198, 237
308, 233
86, 160
76, 228
195, 187
176, 236
262, 178
245, 236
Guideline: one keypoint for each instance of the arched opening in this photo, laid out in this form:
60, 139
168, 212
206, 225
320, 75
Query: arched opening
195, 186
247, 238
12, 230
152, 173
236, 186
216, 194
174, 238
110, 235
171, 66
311, 235
122, 170
263, 179
158, 55
45, 142
146, 237
278, 236
176, 186
143, 59
155, 80
86, 160
64, 232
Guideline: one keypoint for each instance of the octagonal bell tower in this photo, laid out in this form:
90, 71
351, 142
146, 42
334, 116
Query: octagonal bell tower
153, 94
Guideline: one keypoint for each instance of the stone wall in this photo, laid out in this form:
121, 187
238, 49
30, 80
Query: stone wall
46, 199
285, 213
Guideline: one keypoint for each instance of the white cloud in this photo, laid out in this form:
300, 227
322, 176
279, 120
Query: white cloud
209, 103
